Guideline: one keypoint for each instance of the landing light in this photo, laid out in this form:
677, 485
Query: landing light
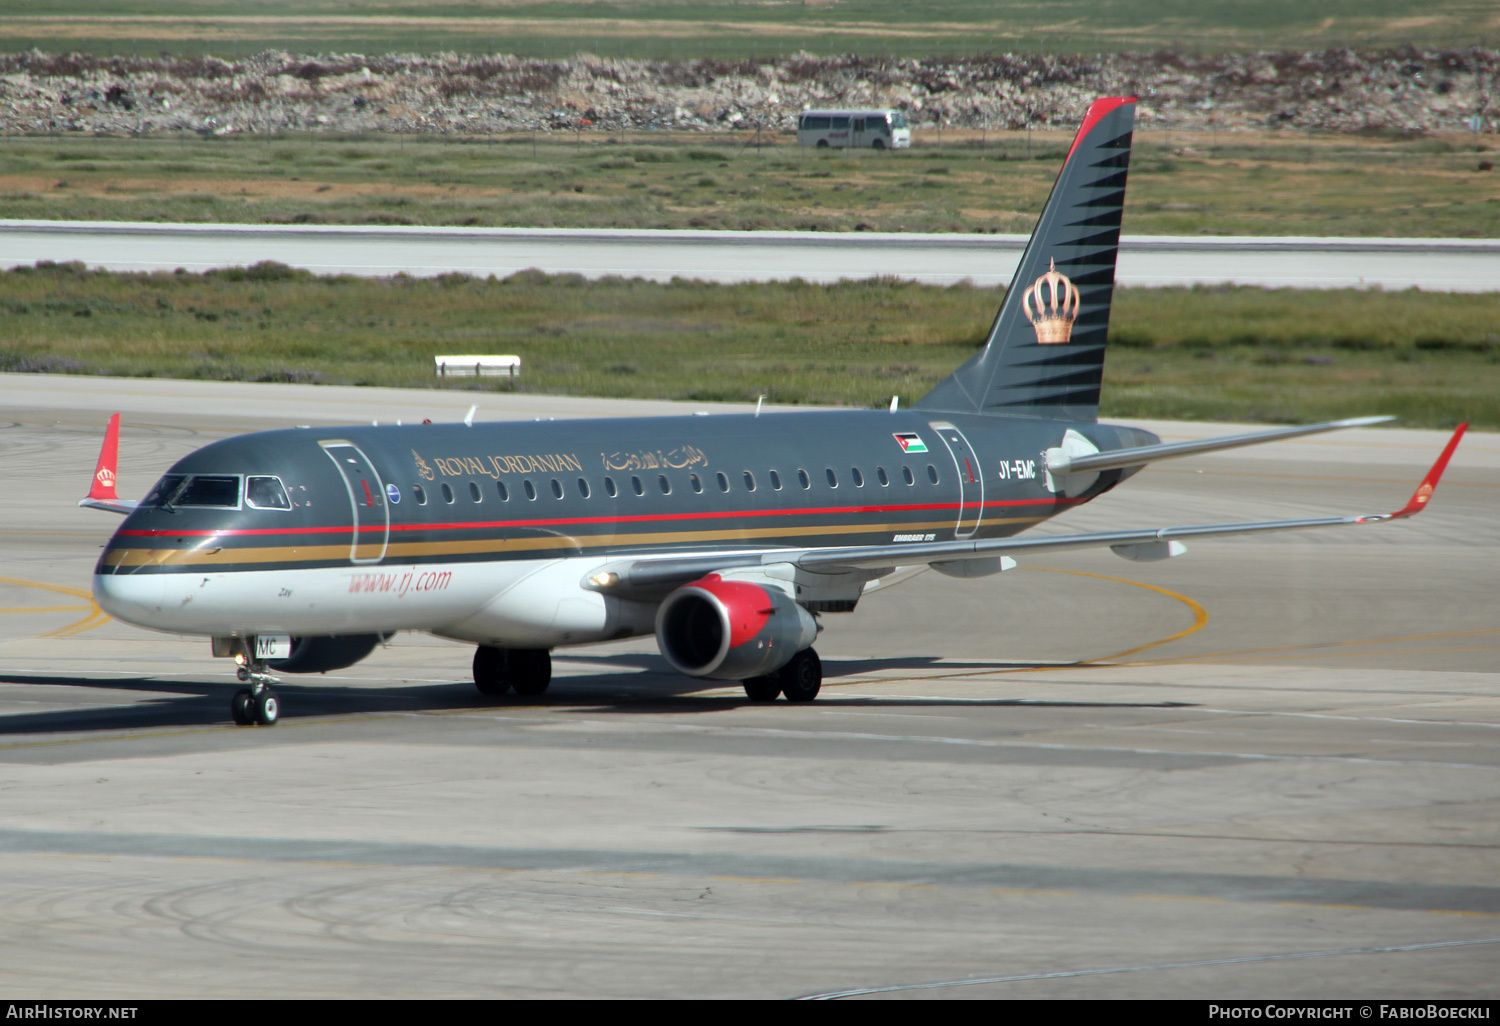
605, 579
239, 658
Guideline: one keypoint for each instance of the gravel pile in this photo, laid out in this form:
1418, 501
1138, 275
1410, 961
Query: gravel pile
1410, 91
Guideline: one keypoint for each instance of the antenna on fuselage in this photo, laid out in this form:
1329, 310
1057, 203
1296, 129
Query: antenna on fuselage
758, 401
469, 417
895, 403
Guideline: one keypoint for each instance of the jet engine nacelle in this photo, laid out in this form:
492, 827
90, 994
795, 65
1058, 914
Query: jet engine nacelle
319, 655
731, 629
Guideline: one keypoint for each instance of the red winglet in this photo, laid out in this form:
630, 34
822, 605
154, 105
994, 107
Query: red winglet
1096, 112
109, 461
1429, 483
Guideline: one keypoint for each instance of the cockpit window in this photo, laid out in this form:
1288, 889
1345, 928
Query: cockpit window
266, 493
221, 491
163, 490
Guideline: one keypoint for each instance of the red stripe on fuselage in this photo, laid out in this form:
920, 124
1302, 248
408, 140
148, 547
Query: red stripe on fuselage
566, 521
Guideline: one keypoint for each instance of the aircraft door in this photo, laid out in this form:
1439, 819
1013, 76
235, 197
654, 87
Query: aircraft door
970, 479
372, 517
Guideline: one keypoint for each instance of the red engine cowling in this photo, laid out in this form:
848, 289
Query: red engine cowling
731, 630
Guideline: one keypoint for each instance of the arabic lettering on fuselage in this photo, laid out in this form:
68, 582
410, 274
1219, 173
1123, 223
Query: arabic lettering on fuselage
494, 466
680, 458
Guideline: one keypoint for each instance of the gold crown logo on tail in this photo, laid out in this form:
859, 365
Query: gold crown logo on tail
1055, 301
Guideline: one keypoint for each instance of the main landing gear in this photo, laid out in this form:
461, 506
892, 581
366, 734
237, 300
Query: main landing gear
799, 680
258, 703
498, 670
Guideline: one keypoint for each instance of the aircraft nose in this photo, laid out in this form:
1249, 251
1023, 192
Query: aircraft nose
135, 598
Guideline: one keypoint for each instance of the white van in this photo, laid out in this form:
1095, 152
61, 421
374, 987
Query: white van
876, 129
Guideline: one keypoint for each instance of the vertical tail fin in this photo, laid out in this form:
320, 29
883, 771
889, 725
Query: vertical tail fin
1045, 353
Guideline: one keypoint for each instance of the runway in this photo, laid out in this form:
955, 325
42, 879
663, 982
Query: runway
1440, 265
1267, 769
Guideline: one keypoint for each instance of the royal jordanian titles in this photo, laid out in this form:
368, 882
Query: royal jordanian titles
727, 537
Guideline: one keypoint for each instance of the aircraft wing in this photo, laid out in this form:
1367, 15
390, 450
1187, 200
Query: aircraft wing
102, 493
647, 575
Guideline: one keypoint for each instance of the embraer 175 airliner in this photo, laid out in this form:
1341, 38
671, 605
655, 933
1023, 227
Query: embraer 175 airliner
727, 537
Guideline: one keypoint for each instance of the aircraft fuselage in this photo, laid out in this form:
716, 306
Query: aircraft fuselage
486, 533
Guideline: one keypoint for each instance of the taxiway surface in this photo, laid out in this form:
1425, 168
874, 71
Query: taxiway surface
1270, 768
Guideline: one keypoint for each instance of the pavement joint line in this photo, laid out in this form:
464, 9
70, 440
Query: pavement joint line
1251, 659
1064, 974
894, 885
1050, 746
742, 879
1333, 716
1312, 646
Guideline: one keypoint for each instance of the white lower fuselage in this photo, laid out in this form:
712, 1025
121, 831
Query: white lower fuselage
518, 603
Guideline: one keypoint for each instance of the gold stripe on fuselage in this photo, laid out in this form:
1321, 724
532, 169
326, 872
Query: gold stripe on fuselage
223, 556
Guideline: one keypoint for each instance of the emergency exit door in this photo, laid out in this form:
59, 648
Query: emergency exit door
970, 479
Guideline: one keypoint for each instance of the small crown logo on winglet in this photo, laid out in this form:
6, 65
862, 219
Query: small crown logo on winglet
1051, 305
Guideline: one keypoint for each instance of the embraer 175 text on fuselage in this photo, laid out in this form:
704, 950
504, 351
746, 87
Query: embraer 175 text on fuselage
725, 536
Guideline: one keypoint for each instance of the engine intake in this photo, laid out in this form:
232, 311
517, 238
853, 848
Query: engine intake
731, 630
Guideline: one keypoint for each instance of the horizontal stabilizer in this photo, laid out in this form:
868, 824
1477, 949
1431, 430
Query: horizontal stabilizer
121, 506
1058, 462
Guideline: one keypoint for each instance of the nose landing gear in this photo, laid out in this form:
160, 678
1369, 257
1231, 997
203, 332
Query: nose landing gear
258, 703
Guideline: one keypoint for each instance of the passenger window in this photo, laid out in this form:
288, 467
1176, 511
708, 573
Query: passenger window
474, 491
833, 479
636, 486
859, 479
583, 487
749, 481
664, 484
932, 473
723, 482
695, 482
803, 479
447, 494
526, 486
556, 488
775, 480
906, 474
501, 490
880, 476
609, 487
420, 493
266, 493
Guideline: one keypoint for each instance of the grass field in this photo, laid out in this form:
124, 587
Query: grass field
1269, 183
1214, 354
737, 28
